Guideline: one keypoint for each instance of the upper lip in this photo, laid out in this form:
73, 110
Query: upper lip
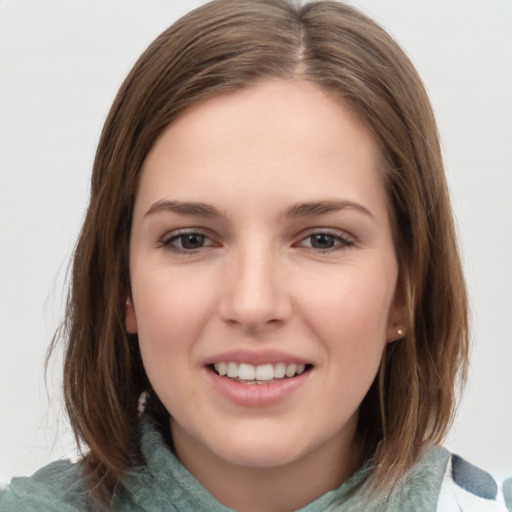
256, 357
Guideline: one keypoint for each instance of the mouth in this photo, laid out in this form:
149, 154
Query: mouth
258, 374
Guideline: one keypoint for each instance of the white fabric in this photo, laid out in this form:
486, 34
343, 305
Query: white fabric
453, 498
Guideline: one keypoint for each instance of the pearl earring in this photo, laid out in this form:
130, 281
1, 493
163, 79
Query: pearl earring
399, 332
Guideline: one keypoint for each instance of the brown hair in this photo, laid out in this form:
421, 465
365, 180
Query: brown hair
222, 46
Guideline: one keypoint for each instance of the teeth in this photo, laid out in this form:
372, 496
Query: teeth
263, 372
222, 368
279, 370
232, 370
290, 370
246, 372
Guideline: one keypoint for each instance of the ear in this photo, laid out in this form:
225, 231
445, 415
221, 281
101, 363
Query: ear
130, 318
397, 319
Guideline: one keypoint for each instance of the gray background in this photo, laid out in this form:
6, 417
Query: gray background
61, 62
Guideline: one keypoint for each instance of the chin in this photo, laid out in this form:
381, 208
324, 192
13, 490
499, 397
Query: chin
259, 455
261, 446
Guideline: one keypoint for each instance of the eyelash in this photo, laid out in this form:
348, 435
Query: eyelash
167, 242
339, 242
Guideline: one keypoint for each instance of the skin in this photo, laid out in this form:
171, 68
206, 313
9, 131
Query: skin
259, 281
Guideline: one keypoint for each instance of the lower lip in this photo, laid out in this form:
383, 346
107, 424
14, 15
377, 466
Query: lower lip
256, 395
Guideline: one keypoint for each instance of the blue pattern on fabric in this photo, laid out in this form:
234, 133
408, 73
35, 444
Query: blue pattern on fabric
473, 479
507, 493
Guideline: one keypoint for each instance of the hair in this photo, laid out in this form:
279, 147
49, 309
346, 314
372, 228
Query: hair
227, 45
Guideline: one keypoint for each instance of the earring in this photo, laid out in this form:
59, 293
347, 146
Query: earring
399, 332
129, 301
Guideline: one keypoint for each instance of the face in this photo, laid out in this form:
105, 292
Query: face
263, 275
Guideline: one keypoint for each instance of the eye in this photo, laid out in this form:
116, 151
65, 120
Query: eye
186, 242
324, 241
189, 241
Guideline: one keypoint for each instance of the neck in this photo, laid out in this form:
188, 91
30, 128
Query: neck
272, 489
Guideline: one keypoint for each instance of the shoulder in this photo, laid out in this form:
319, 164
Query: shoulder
467, 488
57, 487
444, 482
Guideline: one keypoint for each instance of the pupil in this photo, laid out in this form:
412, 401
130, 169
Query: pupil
192, 241
322, 241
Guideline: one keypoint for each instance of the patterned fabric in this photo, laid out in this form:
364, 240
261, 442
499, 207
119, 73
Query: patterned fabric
467, 488
439, 482
507, 493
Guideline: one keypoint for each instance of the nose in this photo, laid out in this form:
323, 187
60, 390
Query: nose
254, 293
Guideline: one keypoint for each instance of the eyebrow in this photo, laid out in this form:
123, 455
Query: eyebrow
304, 209
184, 208
313, 208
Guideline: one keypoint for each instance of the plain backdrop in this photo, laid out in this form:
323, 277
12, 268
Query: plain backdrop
61, 62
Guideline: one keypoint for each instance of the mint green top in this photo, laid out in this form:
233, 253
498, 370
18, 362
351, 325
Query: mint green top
164, 484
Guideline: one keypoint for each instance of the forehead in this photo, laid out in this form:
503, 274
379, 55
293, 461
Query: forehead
275, 137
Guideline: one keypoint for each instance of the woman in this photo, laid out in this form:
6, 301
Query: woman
267, 308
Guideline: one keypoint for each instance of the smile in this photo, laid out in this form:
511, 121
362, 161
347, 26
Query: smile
260, 374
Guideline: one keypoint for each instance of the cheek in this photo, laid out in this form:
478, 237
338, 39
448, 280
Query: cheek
171, 316
350, 324
349, 314
171, 313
